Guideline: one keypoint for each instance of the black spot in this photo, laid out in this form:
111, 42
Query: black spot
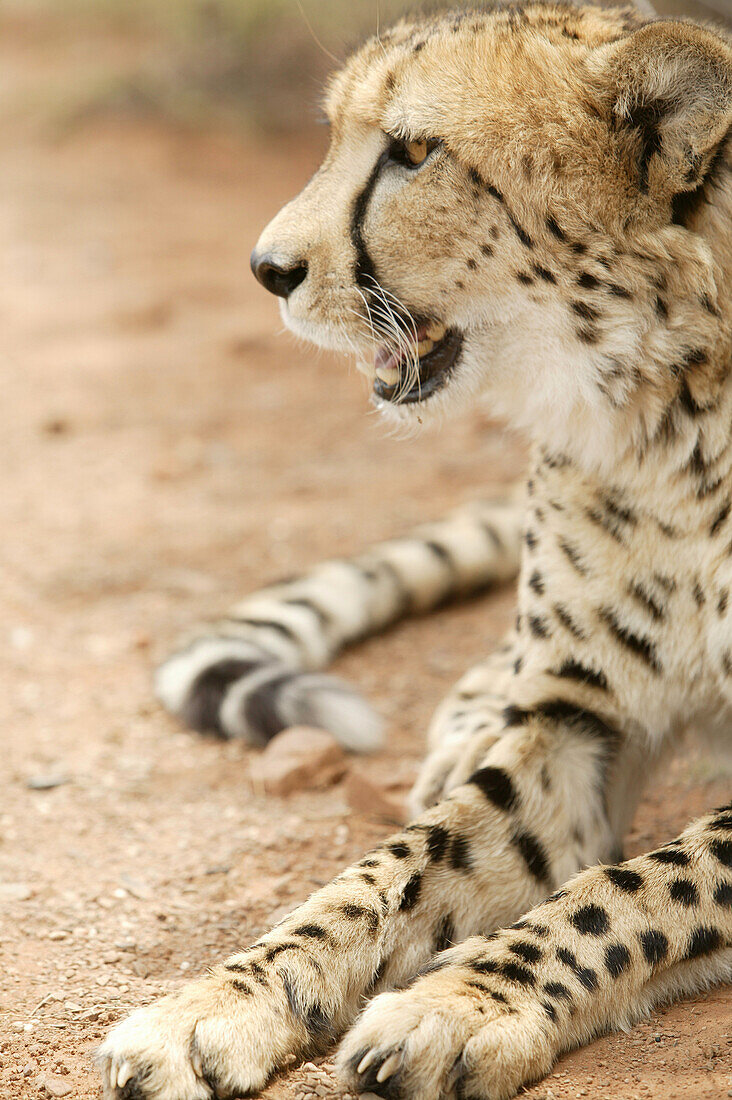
573, 670
533, 854
588, 281
411, 892
637, 644
399, 849
655, 946
684, 891
557, 990
670, 856
242, 987
647, 601
723, 894
484, 966
539, 627
661, 308
471, 264
555, 229
720, 517
531, 540
544, 273
590, 920
585, 311
629, 881
585, 975
278, 948
619, 291
494, 192
478, 985
497, 787
536, 582
521, 233
487, 250
362, 912
568, 622
529, 952
549, 1009
573, 556
525, 279
311, 1014
579, 248
311, 931
702, 942
437, 842
722, 850
617, 959
512, 972
460, 854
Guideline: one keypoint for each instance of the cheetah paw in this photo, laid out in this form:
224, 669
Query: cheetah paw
203, 1042
437, 1042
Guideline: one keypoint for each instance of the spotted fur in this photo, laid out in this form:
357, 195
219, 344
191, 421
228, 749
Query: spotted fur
568, 226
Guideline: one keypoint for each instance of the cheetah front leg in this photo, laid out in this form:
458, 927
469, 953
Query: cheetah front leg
494, 1013
495, 847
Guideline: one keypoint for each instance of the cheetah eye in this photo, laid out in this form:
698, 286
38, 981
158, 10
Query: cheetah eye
411, 154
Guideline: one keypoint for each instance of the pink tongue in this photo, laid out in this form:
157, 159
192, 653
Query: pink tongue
391, 359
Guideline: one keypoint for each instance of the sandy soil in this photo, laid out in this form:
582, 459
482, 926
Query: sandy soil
164, 451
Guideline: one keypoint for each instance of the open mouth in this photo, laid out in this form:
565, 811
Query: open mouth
404, 379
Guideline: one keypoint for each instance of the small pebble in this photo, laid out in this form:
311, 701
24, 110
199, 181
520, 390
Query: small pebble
56, 1086
45, 782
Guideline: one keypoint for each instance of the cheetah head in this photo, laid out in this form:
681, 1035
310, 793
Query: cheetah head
505, 210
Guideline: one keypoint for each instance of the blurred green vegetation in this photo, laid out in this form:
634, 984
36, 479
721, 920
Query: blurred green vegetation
257, 61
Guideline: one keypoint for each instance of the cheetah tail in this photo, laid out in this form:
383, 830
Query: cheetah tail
256, 671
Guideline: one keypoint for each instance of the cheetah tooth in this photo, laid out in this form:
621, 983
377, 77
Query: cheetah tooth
388, 375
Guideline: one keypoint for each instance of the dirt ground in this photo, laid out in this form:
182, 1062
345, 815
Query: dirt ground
164, 450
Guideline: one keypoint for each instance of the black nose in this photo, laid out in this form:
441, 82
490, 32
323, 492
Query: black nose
278, 280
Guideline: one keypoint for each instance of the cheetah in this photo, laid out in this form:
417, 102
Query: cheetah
531, 206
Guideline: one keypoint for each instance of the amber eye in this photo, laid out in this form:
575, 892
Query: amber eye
417, 151
411, 154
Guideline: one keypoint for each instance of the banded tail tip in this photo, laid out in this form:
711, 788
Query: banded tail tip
233, 689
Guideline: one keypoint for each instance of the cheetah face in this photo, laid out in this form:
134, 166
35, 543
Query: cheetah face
493, 215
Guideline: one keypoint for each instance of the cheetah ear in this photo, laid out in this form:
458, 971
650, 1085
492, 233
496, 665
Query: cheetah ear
671, 89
